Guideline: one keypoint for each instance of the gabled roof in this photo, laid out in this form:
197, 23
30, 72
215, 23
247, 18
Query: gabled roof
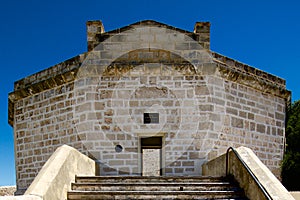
105, 35
148, 23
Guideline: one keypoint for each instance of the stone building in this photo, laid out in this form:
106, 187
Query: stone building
147, 94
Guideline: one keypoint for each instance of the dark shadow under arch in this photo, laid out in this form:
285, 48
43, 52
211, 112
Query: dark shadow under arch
127, 62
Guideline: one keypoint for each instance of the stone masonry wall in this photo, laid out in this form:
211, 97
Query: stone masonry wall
43, 122
204, 106
220, 114
255, 120
201, 116
116, 116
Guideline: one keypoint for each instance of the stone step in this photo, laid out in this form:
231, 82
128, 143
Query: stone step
88, 195
143, 179
155, 186
145, 187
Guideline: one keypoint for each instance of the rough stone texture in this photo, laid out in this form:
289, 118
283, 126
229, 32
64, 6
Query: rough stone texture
7, 190
149, 187
92, 102
272, 185
151, 158
93, 29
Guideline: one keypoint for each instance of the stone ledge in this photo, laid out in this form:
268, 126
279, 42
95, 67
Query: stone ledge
63, 68
243, 68
254, 81
7, 190
296, 195
217, 167
54, 76
54, 179
24, 197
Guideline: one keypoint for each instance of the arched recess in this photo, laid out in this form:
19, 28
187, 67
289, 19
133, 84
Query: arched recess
144, 38
110, 84
149, 62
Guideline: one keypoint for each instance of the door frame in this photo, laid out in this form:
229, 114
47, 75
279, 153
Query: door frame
162, 153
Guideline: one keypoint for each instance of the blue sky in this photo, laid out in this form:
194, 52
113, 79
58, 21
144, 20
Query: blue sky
35, 35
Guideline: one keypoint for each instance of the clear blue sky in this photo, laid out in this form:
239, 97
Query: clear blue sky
35, 35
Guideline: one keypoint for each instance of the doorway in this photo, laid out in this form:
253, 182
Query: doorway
151, 156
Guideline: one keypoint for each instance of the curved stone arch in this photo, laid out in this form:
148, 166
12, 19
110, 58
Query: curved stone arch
112, 49
156, 61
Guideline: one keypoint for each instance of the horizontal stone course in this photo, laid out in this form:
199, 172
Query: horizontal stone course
204, 107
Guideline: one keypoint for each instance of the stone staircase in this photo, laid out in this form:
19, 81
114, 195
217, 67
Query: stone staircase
141, 187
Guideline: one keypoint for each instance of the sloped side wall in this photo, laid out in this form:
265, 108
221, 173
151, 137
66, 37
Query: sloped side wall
217, 167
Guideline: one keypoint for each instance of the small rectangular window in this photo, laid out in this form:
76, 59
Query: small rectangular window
151, 118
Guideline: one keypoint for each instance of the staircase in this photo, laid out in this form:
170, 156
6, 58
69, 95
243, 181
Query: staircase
137, 187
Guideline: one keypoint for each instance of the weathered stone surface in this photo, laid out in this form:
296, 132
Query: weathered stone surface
149, 187
53, 181
272, 185
7, 190
205, 101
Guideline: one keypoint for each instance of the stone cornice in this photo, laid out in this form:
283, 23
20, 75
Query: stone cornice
66, 71
253, 81
249, 70
54, 76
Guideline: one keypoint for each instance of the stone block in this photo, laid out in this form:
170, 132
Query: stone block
206, 107
232, 111
182, 46
116, 162
261, 128
237, 122
201, 90
178, 170
279, 116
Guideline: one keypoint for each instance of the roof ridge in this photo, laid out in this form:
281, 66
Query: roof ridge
147, 22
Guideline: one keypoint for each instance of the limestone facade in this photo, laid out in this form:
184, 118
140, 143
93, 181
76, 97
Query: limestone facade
96, 102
